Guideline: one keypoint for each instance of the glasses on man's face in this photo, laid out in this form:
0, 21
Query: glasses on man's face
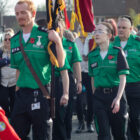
7, 39
100, 32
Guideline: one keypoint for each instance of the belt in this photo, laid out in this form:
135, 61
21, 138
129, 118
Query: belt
106, 90
133, 84
35, 91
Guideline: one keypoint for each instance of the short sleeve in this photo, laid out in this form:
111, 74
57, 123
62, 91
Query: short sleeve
76, 57
12, 59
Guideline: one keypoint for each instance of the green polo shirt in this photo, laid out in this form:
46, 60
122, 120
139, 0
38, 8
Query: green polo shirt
36, 50
106, 71
72, 52
132, 51
65, 67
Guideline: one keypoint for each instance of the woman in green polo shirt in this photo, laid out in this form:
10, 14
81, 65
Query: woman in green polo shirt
108, 69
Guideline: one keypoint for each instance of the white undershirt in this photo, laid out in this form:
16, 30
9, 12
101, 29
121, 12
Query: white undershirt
123, 44
26, 36
103, 54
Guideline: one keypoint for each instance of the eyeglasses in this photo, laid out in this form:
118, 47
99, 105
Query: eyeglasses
7, 39
100, 31
119, 27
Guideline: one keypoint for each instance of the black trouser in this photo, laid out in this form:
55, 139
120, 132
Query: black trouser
7, 98
30, 108
69, 110
81, 103
105, 120
59, 128
62, 124
133, 98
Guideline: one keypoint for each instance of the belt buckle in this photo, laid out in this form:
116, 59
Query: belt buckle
107, 90
35, 93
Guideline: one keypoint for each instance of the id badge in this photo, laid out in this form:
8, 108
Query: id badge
35, 106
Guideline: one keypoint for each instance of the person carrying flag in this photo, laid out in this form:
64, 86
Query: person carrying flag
31, 107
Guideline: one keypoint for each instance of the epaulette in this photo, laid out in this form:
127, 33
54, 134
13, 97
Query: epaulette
137, 38
16, 34
43, 29
69, 40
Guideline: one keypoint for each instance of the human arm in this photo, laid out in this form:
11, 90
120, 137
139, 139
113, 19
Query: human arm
65, 82
4, 62
116, 102
53, 36
77, 75
92, 85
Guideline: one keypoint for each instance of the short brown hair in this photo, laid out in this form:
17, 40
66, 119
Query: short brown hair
30, 4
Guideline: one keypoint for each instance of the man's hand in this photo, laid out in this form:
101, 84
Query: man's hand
64, 99
54, 36
17, 88
79, 87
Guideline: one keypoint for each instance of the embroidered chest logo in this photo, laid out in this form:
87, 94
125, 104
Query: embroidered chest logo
112, 62
69, 49
38, 43
15, 50
94, 65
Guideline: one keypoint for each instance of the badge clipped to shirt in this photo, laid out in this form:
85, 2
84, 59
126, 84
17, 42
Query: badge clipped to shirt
35, 106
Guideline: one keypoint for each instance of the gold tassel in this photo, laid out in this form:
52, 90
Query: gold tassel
72, 21
52, 56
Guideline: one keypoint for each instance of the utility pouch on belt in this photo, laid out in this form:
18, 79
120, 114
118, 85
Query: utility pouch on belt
41, 86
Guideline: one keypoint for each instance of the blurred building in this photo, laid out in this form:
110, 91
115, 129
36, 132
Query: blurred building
102, 9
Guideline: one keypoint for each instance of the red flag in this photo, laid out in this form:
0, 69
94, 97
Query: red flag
66, 19
6, 130
84, 12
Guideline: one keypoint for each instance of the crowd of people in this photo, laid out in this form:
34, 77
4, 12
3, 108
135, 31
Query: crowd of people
101, 86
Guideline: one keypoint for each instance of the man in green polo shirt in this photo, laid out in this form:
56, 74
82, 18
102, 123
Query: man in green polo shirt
63, 122
31, 107
131, 46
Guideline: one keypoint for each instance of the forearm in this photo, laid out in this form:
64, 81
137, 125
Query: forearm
65, 82
17, 75
4, 62
60, 53
121, 86
77, 71
92, 84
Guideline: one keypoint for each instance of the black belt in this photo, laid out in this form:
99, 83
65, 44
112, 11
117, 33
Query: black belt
106, 90
133, 84
35, 90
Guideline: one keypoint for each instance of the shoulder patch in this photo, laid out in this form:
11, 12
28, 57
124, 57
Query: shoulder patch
43, 29
15, 34
15, 50
69, 40
137, 38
